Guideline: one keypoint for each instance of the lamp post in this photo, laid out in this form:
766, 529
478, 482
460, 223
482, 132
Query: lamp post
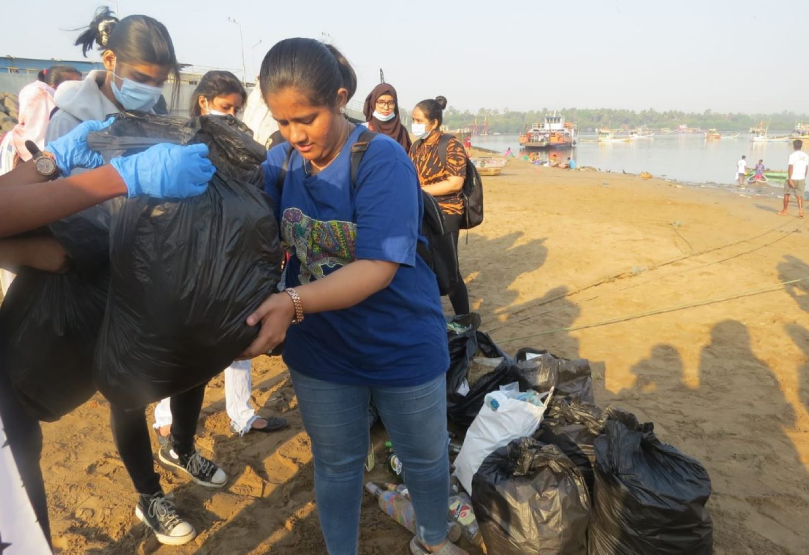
253, 56
241, 39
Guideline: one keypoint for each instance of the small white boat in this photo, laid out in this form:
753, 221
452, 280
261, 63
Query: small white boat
490, 166
606, 136
642, 136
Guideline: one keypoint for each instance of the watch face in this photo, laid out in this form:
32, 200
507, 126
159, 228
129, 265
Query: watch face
45, 166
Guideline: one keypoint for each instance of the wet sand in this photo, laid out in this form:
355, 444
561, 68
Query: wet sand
726, 382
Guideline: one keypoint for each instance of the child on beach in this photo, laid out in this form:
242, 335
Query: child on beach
741, 170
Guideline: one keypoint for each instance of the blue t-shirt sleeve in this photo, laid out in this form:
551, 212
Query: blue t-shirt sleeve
386, 205
272, 167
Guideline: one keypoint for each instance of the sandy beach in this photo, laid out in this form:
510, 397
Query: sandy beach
726, 382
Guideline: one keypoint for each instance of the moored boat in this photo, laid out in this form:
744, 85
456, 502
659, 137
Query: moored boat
489, 166
554, 132
606, 136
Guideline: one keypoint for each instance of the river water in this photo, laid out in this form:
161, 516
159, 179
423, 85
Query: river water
688, 158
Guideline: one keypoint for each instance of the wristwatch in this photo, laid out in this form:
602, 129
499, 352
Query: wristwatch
44, 163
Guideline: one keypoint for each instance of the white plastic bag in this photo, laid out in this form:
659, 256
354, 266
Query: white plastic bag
493, 429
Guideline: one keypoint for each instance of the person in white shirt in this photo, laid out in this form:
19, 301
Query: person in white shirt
796, 177
741, 170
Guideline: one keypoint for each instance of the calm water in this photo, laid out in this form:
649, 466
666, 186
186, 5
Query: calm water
687, 158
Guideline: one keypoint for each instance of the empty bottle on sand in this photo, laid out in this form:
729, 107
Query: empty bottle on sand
460, 511
400, 509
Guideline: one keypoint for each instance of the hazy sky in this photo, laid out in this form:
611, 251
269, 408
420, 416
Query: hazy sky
740, 55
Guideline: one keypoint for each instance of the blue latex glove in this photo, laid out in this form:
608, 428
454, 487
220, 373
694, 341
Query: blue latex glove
166, 170
70, 151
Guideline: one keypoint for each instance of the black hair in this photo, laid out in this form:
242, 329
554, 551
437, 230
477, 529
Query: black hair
316, 69
59, 74
797, 144
433, 108
133, 39
213, 84
42, 75
744, 157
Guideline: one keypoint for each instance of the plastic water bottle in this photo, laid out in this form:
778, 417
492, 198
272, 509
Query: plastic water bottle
460, 510
397, 506
394, 505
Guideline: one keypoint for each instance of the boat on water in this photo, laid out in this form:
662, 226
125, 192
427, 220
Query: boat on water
554, 132
489, 166
712, 135
606, 136
641, 135
801, 131
759, 135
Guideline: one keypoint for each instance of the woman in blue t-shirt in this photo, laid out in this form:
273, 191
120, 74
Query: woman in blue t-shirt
360, 314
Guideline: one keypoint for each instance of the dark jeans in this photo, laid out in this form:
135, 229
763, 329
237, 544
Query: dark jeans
25, 441
458, 296
131, 435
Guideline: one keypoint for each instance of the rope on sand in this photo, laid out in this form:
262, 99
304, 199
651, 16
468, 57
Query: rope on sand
747, 293
623, 275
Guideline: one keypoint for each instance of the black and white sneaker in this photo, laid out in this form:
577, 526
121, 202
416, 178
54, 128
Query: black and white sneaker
203, 471
158, 513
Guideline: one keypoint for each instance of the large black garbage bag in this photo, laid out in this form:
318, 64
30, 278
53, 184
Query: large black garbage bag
184, 275
573, 427
571, 378
530, 499
49, 325
649, 497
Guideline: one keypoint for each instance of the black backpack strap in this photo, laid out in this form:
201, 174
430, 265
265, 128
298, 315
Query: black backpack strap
358, 150
282, 175
443, 145
415, 146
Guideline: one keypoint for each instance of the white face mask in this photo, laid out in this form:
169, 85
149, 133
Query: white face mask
419, 130
212, 112
381, 117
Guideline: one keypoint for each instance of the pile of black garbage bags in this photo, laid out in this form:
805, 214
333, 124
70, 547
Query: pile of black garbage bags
158, 292
589, 480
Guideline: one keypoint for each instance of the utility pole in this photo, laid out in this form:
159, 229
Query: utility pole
241, 40
253, 56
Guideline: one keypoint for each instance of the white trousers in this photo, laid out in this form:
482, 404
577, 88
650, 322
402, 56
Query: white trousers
238, 388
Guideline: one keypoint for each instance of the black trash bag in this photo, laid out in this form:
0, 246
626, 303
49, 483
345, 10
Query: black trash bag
185, 275
463, 345
573, 427
466, 342
49, 325
462, 409
571, 378
530, 499
649, 497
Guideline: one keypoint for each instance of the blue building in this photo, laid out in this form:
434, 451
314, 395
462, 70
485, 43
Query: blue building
10, 64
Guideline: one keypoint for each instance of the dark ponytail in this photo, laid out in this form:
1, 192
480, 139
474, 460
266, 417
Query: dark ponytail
317, 70
99, 30
213, 84
135, 39
433, 109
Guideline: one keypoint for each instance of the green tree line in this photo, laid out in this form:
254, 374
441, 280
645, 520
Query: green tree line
507, 121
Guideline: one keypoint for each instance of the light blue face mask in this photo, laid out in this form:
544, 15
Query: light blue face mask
135, 96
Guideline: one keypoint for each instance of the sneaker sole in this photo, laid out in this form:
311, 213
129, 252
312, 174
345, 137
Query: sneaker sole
162, 538
196, 480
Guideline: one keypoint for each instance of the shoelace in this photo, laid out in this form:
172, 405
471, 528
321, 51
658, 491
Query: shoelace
163, 509
198, 464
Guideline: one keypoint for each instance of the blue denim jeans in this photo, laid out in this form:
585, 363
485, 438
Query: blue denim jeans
336, 418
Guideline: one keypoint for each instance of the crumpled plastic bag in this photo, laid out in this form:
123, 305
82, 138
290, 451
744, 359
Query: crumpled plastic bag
530, 499
494, 428
649, 497
465, 341
572, 379
185, 275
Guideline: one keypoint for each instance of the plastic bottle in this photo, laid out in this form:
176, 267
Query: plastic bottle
460, 511
400, 509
